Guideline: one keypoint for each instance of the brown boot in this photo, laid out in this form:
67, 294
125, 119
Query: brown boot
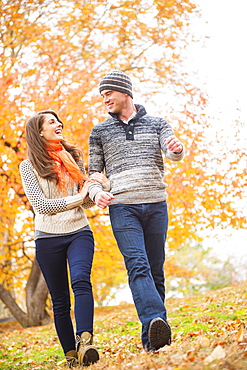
72, 358
87, 354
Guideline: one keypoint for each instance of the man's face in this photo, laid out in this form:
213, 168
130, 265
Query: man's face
114, 100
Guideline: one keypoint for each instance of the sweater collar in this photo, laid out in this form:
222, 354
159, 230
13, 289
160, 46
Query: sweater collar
141, 111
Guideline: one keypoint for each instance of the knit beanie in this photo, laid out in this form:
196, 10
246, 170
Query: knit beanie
116, 81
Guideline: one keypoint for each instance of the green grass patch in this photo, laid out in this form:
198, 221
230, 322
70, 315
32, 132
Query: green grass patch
199, 324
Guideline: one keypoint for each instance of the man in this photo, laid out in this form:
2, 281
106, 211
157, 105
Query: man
128, 146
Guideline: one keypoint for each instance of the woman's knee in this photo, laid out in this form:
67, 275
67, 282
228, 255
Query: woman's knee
81, 283
61, 303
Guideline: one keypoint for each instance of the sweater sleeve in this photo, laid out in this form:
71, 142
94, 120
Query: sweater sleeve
96, 153
87, 202
96, 160
165, 132
36, 197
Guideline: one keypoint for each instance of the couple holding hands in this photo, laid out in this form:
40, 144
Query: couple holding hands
128, 147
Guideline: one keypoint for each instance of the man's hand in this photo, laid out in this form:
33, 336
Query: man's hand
173, 144
103, 199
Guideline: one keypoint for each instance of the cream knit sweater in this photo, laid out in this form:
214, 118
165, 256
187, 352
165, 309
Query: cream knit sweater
54, 212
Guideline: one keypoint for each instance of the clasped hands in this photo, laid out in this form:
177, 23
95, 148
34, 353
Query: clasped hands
95, 177
102, 198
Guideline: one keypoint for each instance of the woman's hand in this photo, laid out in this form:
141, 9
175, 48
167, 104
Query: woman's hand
99, 177
85, 188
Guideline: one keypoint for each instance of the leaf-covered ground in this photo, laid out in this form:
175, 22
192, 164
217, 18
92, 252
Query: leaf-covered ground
208, 333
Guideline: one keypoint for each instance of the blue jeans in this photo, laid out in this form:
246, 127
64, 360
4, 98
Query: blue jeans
52, 255
140, 231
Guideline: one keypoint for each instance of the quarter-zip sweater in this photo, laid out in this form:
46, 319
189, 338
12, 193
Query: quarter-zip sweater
132, 156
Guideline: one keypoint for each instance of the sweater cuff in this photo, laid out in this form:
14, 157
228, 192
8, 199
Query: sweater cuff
176, 156
107, 186
74, 201
94, 189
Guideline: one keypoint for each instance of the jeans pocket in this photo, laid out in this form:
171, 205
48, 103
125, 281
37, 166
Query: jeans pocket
117, 217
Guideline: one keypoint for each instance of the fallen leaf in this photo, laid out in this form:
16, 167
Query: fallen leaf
204, 341
61, 362
217, 354
240, 334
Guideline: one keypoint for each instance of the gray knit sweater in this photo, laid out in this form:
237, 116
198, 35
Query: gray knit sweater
132, 157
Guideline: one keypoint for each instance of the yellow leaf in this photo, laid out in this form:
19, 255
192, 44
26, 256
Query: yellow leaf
240, 334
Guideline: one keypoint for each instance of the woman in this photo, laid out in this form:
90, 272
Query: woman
55, 183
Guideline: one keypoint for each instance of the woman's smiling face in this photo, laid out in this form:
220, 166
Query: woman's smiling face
52, 128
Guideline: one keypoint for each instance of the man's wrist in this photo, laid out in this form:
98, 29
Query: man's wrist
94, 189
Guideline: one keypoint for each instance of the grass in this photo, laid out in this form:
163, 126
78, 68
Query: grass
200, 325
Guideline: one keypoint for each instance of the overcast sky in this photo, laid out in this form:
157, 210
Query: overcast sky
222, 63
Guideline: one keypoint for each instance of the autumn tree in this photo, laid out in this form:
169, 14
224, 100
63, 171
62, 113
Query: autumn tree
195, 269
53, 54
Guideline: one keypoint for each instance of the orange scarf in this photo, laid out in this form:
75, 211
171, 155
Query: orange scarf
64, 162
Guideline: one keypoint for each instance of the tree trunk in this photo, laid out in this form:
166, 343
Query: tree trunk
36, 296
13, 307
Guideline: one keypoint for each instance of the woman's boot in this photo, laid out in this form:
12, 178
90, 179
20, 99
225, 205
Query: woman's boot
72, 358
87, 354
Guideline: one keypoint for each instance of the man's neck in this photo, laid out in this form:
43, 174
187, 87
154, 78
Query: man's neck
125, 114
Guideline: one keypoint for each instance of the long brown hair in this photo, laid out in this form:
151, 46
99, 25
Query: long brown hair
37, 153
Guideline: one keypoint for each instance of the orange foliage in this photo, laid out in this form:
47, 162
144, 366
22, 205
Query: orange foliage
204, 190
52, 56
